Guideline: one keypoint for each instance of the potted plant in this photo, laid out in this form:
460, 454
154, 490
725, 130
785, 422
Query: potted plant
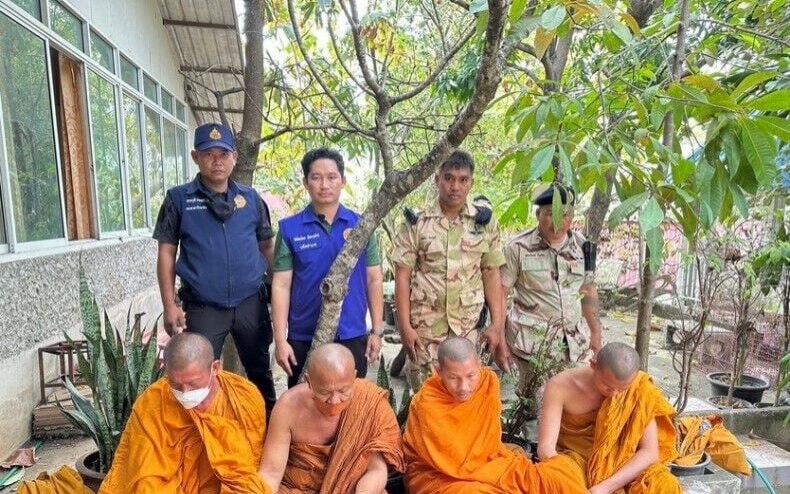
524, 408
117, 372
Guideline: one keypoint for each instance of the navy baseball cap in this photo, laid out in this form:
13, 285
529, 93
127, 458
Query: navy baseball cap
214, 135
544, 196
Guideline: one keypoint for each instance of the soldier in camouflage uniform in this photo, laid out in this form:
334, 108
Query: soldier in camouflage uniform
446, 265
554, 309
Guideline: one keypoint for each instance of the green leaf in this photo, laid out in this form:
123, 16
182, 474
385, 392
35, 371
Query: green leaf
651, 215
751, 81
622, 32
541, 162
552, 18
478, 6
516, 212
516, 9
774, 101
739, 200
702, 81
780, 127
759, 147
625, 208
681, 171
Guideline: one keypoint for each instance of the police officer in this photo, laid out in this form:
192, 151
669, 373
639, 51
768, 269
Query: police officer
306, 246
225, 238
447, 263
545, 269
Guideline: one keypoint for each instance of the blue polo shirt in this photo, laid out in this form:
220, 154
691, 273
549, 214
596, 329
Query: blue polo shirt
219, 263
307, 246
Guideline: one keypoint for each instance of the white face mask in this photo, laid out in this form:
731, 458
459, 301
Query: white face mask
191, 399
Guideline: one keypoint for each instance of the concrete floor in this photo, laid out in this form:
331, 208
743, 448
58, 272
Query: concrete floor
617, 327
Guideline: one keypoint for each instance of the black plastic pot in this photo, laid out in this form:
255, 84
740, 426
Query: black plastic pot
395, 484
688, 471
720, 401
751, 388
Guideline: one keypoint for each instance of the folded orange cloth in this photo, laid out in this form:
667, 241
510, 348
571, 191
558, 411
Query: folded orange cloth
701, 434
368, 426
167, 449
456, 448
65, 481
605, 440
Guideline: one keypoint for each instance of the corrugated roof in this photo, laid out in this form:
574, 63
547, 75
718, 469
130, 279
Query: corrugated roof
205, 34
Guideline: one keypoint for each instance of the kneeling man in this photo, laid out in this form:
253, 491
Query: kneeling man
198, 430
614, 421
333, 434
453, 439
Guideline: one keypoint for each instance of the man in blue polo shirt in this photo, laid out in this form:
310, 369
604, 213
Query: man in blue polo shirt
306, 246
225, 238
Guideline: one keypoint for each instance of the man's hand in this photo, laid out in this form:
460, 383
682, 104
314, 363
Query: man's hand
411, 342
174, 319
503, 357
284, 354
373, 348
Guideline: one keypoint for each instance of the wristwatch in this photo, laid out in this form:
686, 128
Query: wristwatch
376, 332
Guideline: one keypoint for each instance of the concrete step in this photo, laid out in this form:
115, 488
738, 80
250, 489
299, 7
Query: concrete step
773, 461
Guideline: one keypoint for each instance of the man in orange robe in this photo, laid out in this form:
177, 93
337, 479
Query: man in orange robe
197, 431
453, 439
332, 434
614, 421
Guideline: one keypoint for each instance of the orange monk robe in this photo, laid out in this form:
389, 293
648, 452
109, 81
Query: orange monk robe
456, 448
167, 449
603, 440
65, 480
366, 427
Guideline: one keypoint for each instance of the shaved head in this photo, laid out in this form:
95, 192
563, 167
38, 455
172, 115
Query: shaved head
621, 359
184, 349
331, 358
456, 349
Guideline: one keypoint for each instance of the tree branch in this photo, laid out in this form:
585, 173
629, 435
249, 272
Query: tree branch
438, 70
340, 58
359, 50
311, 66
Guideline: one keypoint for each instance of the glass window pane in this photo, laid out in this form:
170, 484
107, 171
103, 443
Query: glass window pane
153, 161
181, 155
31, 6
169, 143
66, 24
167, 101
180, 114
106, 157
149, 88
29, 134
129, 73
101, 51
134, 159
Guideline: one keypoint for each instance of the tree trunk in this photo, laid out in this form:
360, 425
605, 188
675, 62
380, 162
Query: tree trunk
647, 292
248, 139
599, 207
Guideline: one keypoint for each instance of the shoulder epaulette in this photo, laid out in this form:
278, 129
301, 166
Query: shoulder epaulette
484, 211
410, 215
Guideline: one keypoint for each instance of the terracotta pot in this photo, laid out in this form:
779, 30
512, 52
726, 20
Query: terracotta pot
86, 466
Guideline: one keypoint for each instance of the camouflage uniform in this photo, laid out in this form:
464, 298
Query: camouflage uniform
545, 315
447, 294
